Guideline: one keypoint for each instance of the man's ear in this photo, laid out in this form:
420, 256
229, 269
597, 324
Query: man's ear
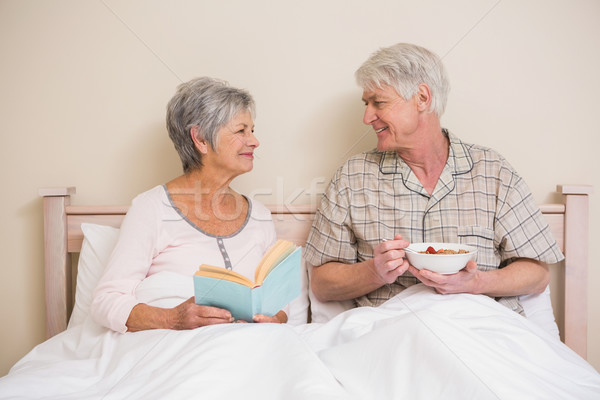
201, 144
423, 97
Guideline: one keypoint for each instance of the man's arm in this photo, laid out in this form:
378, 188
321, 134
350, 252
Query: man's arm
523, 276
339, 281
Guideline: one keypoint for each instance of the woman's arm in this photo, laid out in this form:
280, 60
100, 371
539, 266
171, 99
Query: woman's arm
187, 315
114, 296
279, 318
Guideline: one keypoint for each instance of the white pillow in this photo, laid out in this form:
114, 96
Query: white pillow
298, 309
96, 248
324, 311
538, 309
98, 243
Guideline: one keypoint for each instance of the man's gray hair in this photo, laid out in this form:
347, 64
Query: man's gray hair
209, 104
404, 67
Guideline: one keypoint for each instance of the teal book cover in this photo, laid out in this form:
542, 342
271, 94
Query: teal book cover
280, 285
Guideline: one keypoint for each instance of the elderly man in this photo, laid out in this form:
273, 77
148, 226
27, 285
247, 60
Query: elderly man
423, 184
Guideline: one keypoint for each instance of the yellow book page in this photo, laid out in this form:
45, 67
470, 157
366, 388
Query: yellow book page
225, 274
280, 250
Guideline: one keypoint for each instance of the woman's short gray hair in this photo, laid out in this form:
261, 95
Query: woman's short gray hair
404, 67
209, 104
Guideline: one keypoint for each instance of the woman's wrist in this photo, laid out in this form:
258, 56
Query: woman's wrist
281, 317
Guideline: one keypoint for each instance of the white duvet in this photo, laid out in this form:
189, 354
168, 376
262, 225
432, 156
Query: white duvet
418, 345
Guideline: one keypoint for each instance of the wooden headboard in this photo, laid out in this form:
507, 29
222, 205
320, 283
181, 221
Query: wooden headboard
569, 222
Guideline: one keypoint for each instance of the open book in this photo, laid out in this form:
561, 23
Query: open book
276, 283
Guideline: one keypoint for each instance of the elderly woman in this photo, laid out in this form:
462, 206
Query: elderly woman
196, 218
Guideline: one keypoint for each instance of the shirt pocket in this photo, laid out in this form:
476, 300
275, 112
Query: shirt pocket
483, 239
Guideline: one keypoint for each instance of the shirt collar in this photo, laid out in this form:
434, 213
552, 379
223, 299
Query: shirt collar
459, 159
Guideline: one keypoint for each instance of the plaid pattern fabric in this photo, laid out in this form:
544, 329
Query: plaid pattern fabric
479, 200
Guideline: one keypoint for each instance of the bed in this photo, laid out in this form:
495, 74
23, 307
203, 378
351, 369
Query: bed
417, 345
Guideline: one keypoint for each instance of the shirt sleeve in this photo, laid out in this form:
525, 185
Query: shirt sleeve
114, 297
331, 237
521, 230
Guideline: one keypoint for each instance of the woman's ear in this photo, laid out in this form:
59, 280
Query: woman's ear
423, 97
200, 144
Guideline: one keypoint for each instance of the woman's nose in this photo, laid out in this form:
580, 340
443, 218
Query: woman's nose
253, 141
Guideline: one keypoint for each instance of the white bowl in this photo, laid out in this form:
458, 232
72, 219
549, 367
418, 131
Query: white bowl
440, 263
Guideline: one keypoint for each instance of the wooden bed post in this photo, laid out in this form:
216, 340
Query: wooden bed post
576, 265
57, 261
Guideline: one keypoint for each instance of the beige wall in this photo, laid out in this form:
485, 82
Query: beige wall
83, 87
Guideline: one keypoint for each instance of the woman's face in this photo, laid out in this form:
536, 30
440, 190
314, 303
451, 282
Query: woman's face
393, 119
234, 150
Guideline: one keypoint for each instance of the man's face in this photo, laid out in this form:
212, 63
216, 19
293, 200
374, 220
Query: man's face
393, 119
